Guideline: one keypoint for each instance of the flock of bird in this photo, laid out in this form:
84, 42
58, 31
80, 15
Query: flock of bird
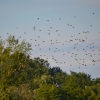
74, 50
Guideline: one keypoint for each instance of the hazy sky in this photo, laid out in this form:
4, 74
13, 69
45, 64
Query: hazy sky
61, 27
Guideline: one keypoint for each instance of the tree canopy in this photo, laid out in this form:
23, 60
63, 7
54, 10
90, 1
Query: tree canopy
24, 78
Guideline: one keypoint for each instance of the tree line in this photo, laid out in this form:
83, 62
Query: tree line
24, 78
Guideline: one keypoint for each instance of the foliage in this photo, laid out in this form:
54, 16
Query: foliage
47, 92
23, 78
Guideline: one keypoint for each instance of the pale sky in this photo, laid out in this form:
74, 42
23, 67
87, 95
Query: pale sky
60, 21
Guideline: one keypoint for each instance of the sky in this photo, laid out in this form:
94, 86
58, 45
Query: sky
64, 32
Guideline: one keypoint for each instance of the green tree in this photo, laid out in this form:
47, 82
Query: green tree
92, 92
23, 78
47, 92
72, 91
13, 63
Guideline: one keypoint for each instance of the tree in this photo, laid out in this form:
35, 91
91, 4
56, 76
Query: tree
47, 92
71, 90
81, 79
24, 78
13, 63
92, 92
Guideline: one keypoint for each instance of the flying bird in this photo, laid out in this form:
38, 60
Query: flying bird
34, 28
